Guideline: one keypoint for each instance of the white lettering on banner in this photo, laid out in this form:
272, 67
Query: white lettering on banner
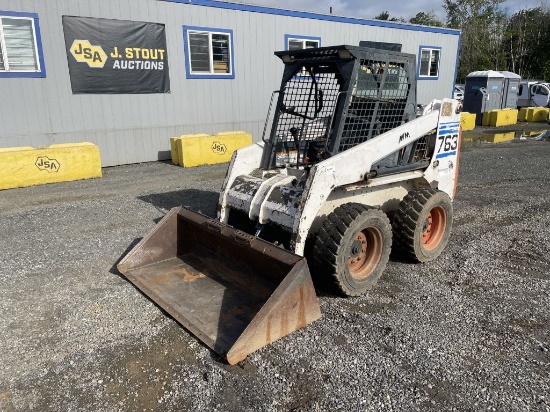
137, 65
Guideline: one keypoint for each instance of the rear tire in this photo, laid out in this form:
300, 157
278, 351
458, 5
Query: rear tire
352, 248
422, 225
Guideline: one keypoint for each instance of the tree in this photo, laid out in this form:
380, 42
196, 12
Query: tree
383, 16
482, 23
526, 42
386, 16
426, 19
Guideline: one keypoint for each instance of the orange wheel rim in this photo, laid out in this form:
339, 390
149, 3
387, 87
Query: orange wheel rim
365, 253
434, 228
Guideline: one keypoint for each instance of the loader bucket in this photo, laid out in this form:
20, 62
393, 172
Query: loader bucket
233, 291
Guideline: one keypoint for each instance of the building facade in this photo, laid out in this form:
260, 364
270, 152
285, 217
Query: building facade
209, 67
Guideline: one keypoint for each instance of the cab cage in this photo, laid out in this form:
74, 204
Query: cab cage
334, 98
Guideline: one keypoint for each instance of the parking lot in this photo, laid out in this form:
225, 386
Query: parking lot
469, 331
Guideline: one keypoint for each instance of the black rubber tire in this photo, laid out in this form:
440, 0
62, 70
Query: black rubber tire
342, 240
422, 225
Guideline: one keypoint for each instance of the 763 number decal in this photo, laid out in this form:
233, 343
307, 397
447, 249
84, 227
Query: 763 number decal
447, 143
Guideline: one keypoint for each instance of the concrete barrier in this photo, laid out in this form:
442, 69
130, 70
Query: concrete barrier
201, 149
176, 146
486, 119
467, 121
504, 117
537, 114
27, 166
174, 150
523, 114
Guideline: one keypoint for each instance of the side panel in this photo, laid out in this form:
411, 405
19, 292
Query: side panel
385, 192
443, 170
350, 166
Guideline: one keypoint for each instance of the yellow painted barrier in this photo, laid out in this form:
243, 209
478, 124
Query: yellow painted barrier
537, 114
504, 117
523, 114
26, 166
174, 150
196, 150
486, 119
175, 147
467, 121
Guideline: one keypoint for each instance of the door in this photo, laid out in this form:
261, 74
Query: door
540, 94
510, 93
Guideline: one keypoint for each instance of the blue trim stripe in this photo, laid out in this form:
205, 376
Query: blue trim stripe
23, 74
446, 128
39, 46
38, 38
447, 131
446, 154
18, 14
314, 16
456, 64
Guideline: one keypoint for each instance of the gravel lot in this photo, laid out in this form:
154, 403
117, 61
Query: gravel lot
470, 331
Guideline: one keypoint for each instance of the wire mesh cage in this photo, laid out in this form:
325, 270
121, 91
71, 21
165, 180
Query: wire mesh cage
306, 112
378, 101
334, 98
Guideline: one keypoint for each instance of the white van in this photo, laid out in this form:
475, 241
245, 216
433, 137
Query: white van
533, 93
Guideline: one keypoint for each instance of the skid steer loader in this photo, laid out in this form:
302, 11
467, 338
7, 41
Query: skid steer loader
348, 168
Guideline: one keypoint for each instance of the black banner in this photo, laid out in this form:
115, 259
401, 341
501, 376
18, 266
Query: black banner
116, 56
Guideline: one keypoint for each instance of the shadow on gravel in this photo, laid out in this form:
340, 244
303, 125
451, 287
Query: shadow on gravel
114, 269
197, 200
201, 201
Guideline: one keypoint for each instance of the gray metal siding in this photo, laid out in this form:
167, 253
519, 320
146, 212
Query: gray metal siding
136, 128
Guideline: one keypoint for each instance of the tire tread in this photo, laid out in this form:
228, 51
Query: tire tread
406, 220
327, 246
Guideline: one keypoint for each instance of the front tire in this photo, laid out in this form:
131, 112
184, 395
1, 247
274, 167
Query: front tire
422, 225
352, 248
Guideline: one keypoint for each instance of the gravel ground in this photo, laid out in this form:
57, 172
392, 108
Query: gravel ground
470, 331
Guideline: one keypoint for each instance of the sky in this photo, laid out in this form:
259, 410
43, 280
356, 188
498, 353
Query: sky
370, 9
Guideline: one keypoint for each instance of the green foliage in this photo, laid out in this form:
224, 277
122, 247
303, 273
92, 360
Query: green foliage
386, 16
482, 23
426, 19
383, 16
527, 41
492, 40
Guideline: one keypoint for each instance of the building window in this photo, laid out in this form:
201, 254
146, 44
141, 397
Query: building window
293, 42
20, 47
428, 67
208, 53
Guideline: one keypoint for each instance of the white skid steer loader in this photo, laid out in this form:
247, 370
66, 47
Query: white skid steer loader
348, 174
